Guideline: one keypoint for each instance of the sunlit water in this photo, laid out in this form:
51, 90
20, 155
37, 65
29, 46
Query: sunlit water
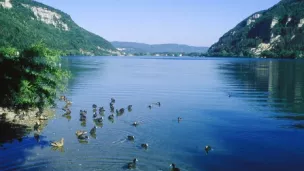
257, 128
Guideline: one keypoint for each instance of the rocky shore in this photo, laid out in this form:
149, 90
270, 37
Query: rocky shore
18, 123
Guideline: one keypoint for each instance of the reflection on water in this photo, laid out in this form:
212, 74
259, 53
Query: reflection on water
238, 107
280, 83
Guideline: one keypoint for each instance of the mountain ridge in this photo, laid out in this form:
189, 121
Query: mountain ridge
275, 32
134, 47
25, 22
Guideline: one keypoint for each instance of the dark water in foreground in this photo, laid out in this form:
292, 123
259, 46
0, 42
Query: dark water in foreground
260, 127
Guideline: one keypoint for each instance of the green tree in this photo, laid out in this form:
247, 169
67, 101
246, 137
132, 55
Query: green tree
30, 78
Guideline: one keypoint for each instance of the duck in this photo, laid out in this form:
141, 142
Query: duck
179, 119
94, 110
83, 137
100, 120
58, 143
112, 100
83, 118
83, 112
150, 106
68, 102
174, 168
80, 132
94, 106
131, 137
83, 123
62, 98
157, 103
132, 165
145, 145
94, 115
112, 108
207, 148
130, 107
93, 130
111, 117
65, 108
68, 112
135, 124
122, 110
101, 109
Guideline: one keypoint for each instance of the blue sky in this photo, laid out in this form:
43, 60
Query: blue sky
192, 22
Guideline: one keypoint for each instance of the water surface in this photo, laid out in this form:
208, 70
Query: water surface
250, 111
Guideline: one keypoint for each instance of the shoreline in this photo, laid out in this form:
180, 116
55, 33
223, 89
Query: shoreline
15, 123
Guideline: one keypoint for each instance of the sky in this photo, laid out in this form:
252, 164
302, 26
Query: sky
191, 22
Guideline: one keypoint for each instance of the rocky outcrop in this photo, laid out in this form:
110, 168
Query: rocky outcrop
6, 4
27, 118
48, 17
276, 32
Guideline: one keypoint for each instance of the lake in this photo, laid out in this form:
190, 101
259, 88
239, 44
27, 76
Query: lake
250, 111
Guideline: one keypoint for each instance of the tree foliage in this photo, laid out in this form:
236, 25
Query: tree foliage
30, 78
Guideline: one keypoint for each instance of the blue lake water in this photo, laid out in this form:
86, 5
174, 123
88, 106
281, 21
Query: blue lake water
259, 127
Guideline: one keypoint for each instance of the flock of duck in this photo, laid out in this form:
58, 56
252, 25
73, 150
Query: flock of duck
83, 137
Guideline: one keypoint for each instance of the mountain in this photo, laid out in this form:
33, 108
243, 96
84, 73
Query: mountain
24, 22
131, 47
276, 32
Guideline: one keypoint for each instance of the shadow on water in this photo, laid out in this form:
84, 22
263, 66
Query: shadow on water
15, 143
9, 131
280, 84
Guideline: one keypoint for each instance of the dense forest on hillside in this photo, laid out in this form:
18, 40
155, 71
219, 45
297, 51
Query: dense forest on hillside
276, 32
21, 27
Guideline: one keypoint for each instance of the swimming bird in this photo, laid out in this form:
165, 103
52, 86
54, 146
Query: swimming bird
94, 115
129, 108
144, 146
179, 119
80, 132
65, 108
122, 110
112, 100
174, 168
83, 118
112, 108
131, 137
100, 120
58, 143
62, 98
101, 109
207, 148
93, 130
83, 137
94, 106
111, 117
132, 165
83, 112
68, 112
157, 103
135, 124
68, 102
150, 106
